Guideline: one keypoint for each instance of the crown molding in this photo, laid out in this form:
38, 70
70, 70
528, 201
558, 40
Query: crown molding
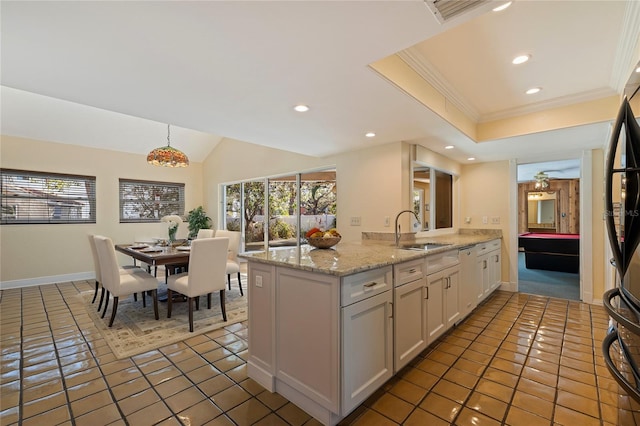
626, 58
428, 72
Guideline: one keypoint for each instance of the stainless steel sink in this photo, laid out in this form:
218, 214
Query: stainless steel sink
423, 247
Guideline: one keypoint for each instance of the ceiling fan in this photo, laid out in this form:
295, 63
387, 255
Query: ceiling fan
542, 181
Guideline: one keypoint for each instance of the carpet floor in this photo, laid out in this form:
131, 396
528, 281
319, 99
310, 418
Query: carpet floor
562, 285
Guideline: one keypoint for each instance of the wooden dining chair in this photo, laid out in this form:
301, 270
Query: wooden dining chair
96, 266
119, 284
207, 267
233, 264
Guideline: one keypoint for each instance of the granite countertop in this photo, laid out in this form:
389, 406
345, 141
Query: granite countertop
350, 258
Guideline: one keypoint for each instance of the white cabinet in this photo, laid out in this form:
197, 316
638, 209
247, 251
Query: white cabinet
367, 335
468, 280
489, 268
410, 312
443, 306
494, 259
443, 297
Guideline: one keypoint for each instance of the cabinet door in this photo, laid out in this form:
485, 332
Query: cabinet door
483, 277
452, 296
410, 322
367, 348
436, 323
495, 269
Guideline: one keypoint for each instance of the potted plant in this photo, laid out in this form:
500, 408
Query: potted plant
198, 219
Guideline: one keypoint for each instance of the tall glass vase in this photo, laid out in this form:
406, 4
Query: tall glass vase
172, 234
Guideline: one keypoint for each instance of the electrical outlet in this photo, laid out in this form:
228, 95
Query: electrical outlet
467, 220
355, 220
387, 221
258, 280
485, 220
495, 220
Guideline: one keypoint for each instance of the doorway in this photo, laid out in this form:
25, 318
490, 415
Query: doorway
549, 210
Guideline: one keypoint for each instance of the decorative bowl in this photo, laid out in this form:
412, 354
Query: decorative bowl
323, 243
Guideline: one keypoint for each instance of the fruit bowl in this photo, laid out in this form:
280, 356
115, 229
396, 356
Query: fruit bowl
322, 242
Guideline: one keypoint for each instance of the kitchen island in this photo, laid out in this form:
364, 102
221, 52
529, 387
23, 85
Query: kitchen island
321, 322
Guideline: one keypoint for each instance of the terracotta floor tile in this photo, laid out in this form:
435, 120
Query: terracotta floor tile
231, 397
487, 405
471, 417
151, 414
533, 404
184, 399
441, 407
496, 390
567, 416
393, 407
577, 403
138, 401
373, 418
200, 413
408, 391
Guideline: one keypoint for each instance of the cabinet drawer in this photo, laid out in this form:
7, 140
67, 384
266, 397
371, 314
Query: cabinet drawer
409, 271
440, 261
365, 284
493, 245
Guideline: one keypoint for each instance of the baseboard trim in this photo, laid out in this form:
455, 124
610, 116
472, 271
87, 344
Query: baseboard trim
53, 279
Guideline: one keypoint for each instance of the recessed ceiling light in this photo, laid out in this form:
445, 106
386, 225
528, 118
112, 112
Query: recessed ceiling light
301, 108
502, 7
638, 69
471, 158
369, 134
533, 90
448, 147
520, 59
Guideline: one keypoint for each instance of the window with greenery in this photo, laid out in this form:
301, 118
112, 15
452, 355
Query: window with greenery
38, 197
145, 201
245, 210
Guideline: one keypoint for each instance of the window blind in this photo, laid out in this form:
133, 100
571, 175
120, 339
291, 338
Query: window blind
31, 197
148, 201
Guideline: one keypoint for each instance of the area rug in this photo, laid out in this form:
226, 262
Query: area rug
135, 329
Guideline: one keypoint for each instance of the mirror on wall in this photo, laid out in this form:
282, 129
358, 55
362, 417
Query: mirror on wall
432, 197
541, 210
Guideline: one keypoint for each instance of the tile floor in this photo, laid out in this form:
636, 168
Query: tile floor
517, 360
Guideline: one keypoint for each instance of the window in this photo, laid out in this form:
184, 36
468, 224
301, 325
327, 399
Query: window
38, 197
314, 192
144, 201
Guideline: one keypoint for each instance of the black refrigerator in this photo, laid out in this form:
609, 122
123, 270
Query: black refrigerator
621, 346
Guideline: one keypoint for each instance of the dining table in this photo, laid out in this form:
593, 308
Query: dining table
169, 256
156, 255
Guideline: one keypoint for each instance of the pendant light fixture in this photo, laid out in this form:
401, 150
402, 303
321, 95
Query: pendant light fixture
168, 156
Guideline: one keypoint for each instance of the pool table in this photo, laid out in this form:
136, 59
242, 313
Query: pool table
550, 251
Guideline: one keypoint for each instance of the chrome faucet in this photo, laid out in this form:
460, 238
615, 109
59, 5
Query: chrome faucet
397, 228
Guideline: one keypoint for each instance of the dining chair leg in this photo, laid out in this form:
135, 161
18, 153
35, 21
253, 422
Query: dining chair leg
95, 293
208, 300
113, 310
135, 297
169, 299
144, 299
197, 303
190, 314
154, 295
101, 298
240, 284
229, 280
222, 305
106, 303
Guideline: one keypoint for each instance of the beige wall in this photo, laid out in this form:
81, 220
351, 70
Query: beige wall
50, 253
231, 161
484, 191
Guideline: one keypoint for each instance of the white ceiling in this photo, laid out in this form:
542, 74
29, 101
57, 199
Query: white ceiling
113, 74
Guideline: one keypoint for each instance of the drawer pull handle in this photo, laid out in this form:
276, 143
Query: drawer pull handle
371, 284
412, 270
